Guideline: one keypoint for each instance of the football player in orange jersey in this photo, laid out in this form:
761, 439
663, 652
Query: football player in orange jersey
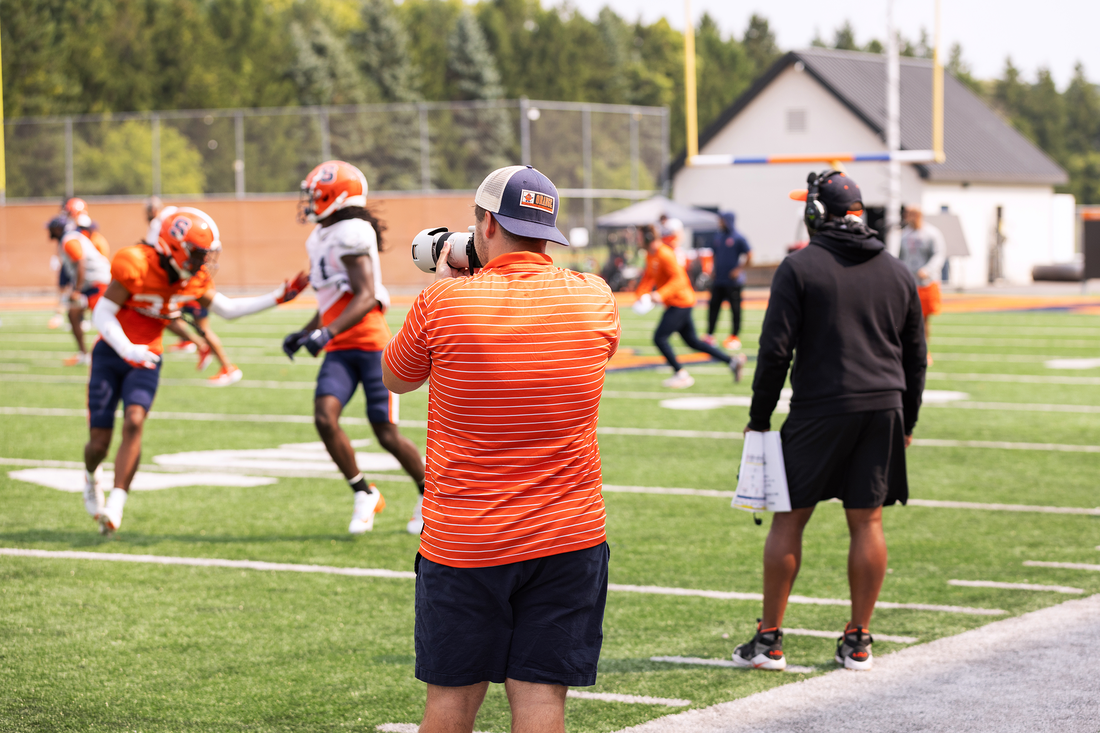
205, 341
86, 258
350, 328
149, 283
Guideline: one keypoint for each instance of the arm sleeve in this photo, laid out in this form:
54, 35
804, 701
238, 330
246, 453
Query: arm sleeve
914, 360
939, 254
778, 339
407, 353
230, 308
105, 318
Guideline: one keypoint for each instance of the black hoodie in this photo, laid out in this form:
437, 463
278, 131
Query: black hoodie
850, 316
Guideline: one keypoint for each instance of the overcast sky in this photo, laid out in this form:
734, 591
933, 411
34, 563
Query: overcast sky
1054, 33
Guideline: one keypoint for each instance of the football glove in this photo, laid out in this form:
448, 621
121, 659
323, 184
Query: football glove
293, 342
316, 341
138, 355
291, 288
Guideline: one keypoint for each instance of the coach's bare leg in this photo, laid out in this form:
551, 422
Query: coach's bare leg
866, 562
536, 708
452, 709
326, 416
782, 558
95, 450
401, 448
214, 342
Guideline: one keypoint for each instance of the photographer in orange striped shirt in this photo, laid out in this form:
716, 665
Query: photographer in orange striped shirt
512, 569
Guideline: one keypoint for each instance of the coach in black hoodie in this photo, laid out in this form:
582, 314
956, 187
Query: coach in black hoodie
849, 315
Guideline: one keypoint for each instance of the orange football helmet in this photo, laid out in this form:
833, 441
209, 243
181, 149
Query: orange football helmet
77, 211
329, 187
188, 239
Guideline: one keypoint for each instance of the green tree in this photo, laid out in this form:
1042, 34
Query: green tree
116, 158
960, 69
760, 45
844, 38
381, 46
322, 69
724, 70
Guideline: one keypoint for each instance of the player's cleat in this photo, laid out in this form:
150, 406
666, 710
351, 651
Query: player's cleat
709, 339
737, 366
110, 519
416, 524
679, 380
183, 347
366, 506
55, 321
732, 342
83, 359
227, 376
764, 651
93, 494
206, 355
853, 650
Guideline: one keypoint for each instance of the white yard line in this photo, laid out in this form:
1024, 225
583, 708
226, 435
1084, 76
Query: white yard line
1062, 565
836, 635
1015, 586
737, 596
378, 573
206, 562
791, 668
1095, 512
1012, 378
632, 699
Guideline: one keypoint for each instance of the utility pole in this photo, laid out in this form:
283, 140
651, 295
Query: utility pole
893, 134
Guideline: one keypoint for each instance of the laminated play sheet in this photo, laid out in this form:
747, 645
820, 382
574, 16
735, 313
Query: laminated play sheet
762, 480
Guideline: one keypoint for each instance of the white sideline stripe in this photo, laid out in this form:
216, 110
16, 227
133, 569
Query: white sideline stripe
836, 635
653, 432
1013, 378
1072, 364
1005, 507
1014, 586
378, 573
736, 596
1063, 565
791, 668
198, 416
935, 504
168, 382
1014, 407
206, 562
403, 728
634, 699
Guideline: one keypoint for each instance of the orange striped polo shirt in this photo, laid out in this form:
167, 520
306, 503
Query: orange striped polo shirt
516, 357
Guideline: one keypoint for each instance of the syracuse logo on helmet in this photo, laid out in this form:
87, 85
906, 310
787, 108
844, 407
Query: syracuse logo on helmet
329, 187
188, 240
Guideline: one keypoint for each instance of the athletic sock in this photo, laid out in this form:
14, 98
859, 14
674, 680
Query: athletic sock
358, 483
420, 487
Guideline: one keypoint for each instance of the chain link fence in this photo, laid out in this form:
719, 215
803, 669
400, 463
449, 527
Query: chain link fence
593, 152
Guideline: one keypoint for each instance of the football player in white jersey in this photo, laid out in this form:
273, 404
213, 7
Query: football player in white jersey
350, 328
85, 258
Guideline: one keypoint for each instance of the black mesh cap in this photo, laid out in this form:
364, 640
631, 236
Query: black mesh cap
840, 194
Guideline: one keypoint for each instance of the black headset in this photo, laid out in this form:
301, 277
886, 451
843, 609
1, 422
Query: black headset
815, 212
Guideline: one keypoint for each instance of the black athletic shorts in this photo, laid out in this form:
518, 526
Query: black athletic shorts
534, 621
858, 458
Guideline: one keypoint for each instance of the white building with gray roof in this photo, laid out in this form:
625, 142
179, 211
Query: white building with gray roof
995, 190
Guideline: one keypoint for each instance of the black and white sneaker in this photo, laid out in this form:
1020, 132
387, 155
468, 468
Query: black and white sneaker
853, 650
765, 651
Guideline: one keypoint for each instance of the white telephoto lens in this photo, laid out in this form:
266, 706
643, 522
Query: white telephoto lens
423, 248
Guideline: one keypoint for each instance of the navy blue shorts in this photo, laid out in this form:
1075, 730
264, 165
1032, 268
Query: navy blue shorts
535, 621
113, 379
196, 311
343, 371
63, 278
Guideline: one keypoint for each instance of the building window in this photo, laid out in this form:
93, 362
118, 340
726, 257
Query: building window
796, 120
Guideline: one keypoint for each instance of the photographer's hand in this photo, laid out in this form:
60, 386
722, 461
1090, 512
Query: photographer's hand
443, 269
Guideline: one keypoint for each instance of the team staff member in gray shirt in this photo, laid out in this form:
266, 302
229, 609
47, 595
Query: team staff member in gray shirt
850, 318
924, 251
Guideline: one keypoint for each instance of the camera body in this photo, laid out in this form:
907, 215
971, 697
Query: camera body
428, 244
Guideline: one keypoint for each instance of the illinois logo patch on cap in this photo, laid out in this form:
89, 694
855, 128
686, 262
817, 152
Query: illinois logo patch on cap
536, 200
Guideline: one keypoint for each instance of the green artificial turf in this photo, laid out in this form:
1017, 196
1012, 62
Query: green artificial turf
108, 646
